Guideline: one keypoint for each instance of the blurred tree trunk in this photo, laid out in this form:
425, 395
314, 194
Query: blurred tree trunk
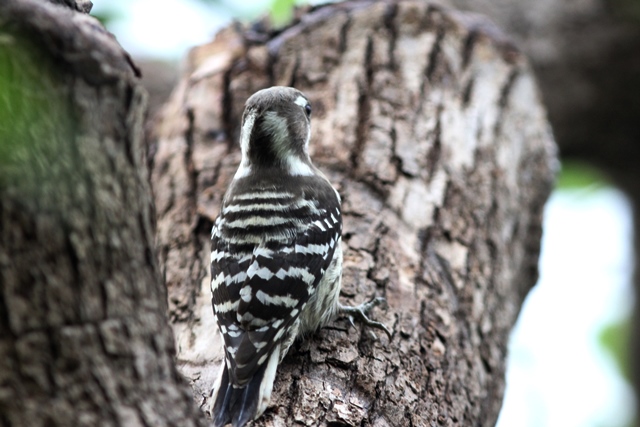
84, 337
429, 123
586, 55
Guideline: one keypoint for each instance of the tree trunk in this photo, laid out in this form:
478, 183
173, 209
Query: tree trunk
84, 338
429, 123
585, 55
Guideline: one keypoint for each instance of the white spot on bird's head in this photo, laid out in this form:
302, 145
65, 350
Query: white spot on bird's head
245, 138
247, 128
301, 101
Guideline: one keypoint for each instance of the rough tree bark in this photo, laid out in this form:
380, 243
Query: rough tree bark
84, 337
585, 55
429, 123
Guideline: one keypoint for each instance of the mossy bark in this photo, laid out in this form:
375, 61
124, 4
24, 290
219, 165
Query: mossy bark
84, 337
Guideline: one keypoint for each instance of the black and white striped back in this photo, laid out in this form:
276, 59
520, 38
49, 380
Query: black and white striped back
271, 245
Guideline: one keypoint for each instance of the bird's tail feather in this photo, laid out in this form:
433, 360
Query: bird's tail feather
239, 405
222, 393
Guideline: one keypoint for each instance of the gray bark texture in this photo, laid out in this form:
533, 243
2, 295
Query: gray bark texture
84, 337
586, 57
430, 124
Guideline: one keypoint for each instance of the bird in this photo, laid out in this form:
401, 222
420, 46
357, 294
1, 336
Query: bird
276, 255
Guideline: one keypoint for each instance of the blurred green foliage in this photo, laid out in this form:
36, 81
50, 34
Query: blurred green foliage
580, 176
281, 12
614, 338
107, 16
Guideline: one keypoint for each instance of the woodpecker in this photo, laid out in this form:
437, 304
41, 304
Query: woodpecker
276, 256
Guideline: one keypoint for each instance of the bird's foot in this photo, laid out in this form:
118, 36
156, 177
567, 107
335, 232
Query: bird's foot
360, 312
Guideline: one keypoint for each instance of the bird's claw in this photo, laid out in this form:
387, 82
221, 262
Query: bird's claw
361, 311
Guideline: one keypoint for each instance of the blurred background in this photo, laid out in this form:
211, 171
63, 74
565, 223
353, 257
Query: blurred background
568, 364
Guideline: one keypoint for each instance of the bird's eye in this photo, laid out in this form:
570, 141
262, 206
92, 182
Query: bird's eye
307, 109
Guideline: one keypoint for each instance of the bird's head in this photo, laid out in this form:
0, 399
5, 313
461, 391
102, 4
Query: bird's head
276, 127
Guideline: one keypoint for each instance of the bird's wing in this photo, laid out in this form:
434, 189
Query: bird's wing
260, 289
